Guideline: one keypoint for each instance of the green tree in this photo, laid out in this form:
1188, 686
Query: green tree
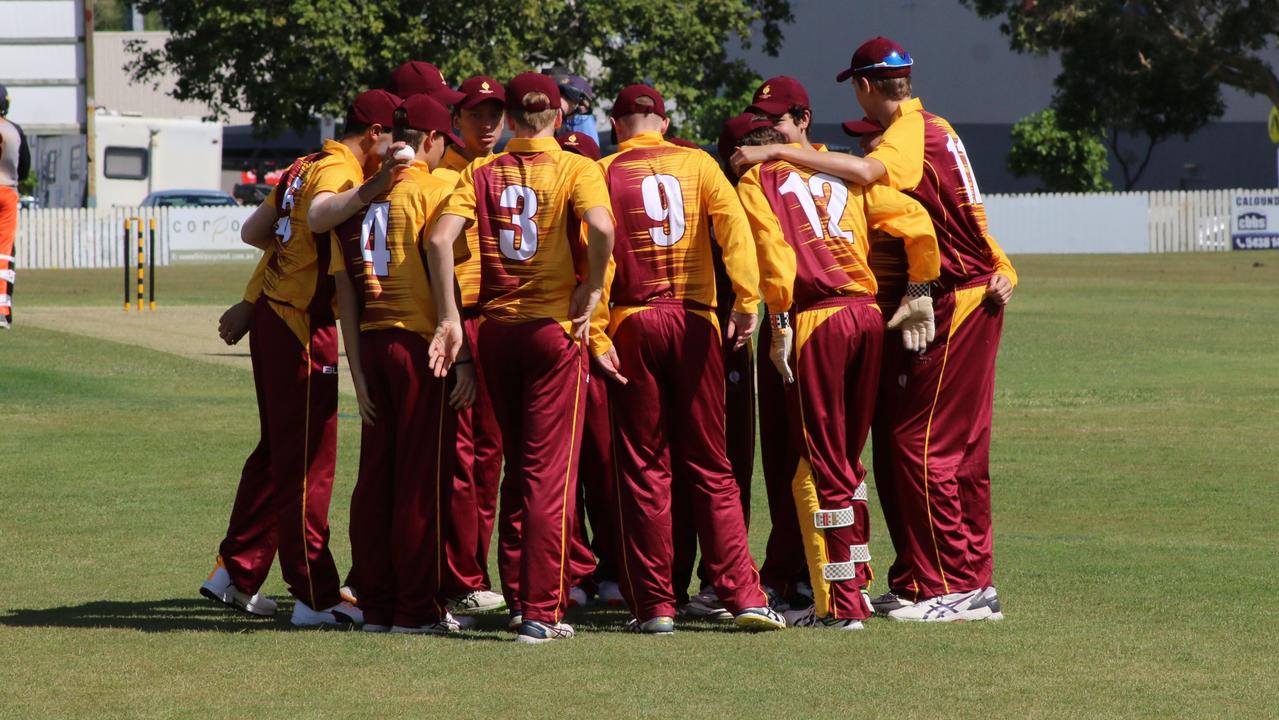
1065, 160
1150, 68
286, 61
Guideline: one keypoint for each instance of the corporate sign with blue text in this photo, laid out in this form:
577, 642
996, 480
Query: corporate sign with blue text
1254, 221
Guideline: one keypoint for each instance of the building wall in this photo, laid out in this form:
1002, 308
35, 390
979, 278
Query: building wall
42, 64
117, 92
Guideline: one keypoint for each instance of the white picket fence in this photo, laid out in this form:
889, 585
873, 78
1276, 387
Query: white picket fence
1156, 222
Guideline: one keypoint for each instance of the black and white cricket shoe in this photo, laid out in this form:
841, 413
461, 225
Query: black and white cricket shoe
980, 604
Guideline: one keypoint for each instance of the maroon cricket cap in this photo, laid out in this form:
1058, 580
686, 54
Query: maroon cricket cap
481, 88
580, 143
880, 58
865, 126
738, 128
683, 143
417, 77
531, 82
778, 95
424, 113
628, 102
374, 106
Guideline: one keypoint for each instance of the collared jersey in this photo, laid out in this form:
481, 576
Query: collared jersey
665, 199
812, 232
380, 248
294, 269
468, 271
527, 204
925, 159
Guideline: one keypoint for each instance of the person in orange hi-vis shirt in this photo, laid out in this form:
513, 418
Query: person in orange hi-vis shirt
478, 115
283, 499
668, 419
530, 203
812, 233
409, 430
943, 399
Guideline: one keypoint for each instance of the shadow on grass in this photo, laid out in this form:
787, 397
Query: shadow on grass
146, 616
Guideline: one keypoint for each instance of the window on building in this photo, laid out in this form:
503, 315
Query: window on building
125, 163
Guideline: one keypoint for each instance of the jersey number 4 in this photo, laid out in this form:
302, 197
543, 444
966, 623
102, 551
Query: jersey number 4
373, 239
820, 185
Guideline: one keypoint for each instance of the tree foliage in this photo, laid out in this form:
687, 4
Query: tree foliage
286, 61
1153, 68
1065, 160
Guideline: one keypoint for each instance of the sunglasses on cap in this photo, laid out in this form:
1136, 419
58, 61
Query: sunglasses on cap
893, 60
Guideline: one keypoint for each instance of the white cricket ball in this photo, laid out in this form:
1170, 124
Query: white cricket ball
405, 153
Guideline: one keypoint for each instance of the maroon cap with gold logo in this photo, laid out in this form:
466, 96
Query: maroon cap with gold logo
419, 77
779, 94
481, 88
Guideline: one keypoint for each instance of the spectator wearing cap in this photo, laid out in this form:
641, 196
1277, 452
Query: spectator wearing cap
420, 77
15, 163
477, 474
289, 307
538, 289
580, 143
577, 99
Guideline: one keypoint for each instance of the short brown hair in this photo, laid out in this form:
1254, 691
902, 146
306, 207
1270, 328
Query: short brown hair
535, 121
764, 136
405, 134
895, 88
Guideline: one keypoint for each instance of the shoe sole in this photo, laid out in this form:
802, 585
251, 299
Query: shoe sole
965, 616
248, 609
529, 640
757, 622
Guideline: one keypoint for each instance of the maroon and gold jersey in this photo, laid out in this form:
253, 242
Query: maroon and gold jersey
468, 271
812, 233
380, 249
528, 203
925, 159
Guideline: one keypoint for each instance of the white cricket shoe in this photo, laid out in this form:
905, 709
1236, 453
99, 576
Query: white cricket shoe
807, 618
706, 605
444, 626
344, 613
532, 631
759, 618
610, 594
888, 602
218, 586
577, 597
956, 607
514, 622
478, 601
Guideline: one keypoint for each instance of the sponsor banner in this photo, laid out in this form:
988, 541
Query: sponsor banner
211, 233
1254, 221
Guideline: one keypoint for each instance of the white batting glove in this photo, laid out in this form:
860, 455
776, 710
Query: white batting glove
915, 318
782, 342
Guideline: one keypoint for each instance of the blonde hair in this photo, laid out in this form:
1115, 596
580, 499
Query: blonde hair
535, 121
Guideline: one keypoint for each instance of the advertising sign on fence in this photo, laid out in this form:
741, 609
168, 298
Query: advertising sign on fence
212, 233
1254, 221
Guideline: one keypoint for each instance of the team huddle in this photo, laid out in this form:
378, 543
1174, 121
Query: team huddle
562, 345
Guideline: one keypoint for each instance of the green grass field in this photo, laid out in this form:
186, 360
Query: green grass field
1134, 464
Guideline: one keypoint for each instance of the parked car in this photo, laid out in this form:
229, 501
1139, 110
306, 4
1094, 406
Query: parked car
28, 202
189, 198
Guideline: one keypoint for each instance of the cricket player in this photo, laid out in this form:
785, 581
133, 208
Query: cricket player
939, 469
409, 430
812, 233
15, 163
529, 203
473, 506
283, 499
663, 335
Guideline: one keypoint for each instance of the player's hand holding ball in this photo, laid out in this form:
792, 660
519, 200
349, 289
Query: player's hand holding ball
235, 322
783, 341
393, 164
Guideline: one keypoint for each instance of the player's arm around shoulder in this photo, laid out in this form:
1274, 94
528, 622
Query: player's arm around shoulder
903, 217
901, 153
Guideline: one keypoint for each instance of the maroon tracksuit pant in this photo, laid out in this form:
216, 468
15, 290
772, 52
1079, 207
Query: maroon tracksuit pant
593, 553
932, 464
837, 358
283, 499
536, 379
784, 557
406, 469
473, 502
669, 422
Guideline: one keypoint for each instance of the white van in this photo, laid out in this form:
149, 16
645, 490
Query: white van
136, 156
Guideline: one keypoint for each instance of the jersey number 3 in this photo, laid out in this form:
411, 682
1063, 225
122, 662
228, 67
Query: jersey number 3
522, 202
